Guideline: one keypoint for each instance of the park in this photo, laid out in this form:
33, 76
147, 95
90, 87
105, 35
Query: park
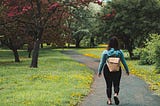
50, 51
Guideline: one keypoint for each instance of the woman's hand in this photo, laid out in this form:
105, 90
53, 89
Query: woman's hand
99, 74
127, 73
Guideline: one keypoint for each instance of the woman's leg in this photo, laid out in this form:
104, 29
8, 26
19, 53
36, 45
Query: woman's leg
108, 79
116, 81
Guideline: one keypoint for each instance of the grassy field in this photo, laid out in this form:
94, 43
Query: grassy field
145, 72
58, 81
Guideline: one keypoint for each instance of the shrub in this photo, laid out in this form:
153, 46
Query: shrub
146, 57
148, 54
157, 58
137, 53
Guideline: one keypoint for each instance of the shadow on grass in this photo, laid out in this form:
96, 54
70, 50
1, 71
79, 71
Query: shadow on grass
16, 64
50, 55
6, 63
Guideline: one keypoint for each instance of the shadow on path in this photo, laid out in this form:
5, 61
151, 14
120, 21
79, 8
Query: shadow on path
133, 91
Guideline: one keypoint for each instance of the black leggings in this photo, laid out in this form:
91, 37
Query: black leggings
112, 77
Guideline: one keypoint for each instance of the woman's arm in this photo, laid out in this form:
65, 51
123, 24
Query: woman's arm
124, 62
102, 62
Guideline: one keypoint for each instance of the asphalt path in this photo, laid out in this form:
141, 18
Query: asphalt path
133, 91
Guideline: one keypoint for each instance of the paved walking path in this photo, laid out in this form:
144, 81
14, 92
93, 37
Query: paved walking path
133, 91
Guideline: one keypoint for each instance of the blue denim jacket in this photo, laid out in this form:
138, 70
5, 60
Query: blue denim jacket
107, 53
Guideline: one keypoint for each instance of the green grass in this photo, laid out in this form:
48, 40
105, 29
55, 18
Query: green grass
58, 81
145, 72
91, 52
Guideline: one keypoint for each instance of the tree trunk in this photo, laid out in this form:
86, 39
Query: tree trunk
30, 48
29, 53
68, 45
92, 42
16, 55
41, 45
77, 43
129, 47
35, 53
130, 53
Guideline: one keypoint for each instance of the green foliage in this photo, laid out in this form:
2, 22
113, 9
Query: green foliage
85, 41
157, 60
80, 24
148, 54
79, 35
85, 19
137, 52
132, 21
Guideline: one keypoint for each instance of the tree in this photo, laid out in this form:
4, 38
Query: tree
132, 20
79, 36
94, 23
37, 15
57, 31
13, 33
83, 23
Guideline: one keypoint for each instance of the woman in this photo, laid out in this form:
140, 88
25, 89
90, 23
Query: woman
112, 77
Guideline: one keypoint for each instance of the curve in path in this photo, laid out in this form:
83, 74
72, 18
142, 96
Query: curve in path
133, 91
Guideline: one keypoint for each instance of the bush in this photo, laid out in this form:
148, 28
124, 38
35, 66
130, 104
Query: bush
157, 58
146, 57
137, 53
148, 54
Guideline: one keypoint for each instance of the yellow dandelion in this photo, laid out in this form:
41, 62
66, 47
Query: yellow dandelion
82, 64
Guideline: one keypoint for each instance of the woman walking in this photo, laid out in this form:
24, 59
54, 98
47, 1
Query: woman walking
112, 76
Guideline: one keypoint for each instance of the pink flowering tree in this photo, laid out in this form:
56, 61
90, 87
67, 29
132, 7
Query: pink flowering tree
11, 31
33, 15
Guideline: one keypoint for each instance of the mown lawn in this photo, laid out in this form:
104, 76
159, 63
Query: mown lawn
146, 72
58, 81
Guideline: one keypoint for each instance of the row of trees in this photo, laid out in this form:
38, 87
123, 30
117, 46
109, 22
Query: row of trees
34, 22
131, 20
